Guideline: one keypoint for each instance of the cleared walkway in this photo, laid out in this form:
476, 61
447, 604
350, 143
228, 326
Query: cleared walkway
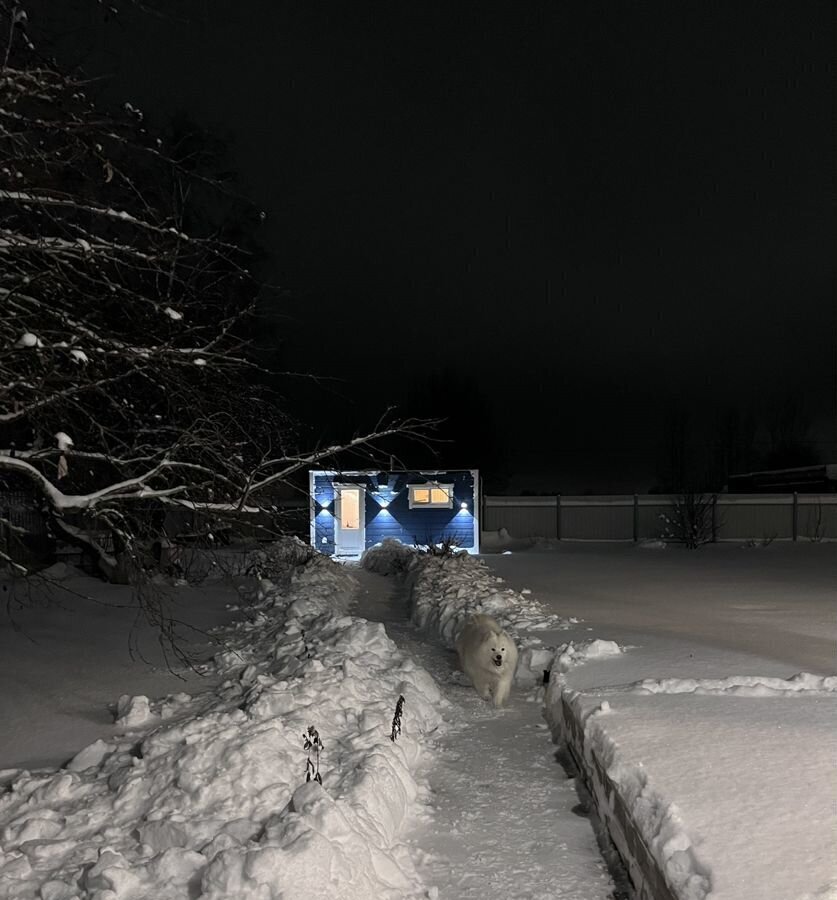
505, 819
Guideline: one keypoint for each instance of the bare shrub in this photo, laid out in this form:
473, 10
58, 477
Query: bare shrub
447, 545
692, 520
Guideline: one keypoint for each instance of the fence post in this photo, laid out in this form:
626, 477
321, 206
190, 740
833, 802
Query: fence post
558, 516
636, 517
795, 526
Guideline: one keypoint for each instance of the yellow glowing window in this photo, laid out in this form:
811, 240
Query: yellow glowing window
431, 496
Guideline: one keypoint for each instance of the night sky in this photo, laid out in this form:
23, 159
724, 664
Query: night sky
568, 225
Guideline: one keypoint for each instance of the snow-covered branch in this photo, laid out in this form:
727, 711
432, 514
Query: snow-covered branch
36, 199
286, 466
136, 488
128, 383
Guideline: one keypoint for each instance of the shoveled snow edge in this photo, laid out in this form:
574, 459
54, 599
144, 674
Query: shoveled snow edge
661, 865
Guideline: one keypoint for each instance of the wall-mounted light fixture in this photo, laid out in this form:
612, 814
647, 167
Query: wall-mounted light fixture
463, 505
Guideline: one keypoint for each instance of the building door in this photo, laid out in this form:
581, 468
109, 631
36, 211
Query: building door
349, 520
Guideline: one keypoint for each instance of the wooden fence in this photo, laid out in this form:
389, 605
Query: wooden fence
638, 517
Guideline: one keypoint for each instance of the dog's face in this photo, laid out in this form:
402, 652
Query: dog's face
498, 649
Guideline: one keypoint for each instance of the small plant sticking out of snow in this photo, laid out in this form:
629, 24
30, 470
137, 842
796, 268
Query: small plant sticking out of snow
309, 653
447, 546
313, 743
396, 719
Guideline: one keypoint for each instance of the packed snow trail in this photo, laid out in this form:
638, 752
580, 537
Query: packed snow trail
503, 817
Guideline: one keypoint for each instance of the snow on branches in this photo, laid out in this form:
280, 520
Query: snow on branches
126, 325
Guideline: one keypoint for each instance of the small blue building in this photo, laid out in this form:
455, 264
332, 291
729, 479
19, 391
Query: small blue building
352, 511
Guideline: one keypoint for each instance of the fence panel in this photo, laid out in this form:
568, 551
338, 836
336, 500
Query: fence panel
756, 517
739, 517
522, 516
817, 517
599, 518
653, 508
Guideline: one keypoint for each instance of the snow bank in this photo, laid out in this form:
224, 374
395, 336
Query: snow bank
444, 591
624, 797
207, 796
802, 684
627, 800
574, 654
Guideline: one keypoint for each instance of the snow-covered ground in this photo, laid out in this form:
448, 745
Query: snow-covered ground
709, 701
209, 795
65, 659
724, 756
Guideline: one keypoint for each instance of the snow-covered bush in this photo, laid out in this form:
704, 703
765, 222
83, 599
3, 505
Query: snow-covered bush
390, 557
277, 559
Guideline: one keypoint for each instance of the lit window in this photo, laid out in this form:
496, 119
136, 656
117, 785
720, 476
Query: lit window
431, 496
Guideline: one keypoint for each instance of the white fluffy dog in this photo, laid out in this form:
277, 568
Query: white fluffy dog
488, 656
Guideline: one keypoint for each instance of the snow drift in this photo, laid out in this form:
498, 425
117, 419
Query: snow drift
206, 795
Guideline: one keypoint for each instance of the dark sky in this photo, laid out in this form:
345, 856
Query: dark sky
591, 217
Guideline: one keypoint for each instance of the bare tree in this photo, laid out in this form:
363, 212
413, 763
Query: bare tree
127, 379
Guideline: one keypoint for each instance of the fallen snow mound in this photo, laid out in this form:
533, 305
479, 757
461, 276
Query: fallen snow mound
209, 797
572, 654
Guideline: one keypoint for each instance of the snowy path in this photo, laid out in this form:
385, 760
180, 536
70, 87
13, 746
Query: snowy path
505, 818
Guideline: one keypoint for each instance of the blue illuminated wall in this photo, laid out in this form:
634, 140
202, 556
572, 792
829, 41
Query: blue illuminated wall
387, 508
